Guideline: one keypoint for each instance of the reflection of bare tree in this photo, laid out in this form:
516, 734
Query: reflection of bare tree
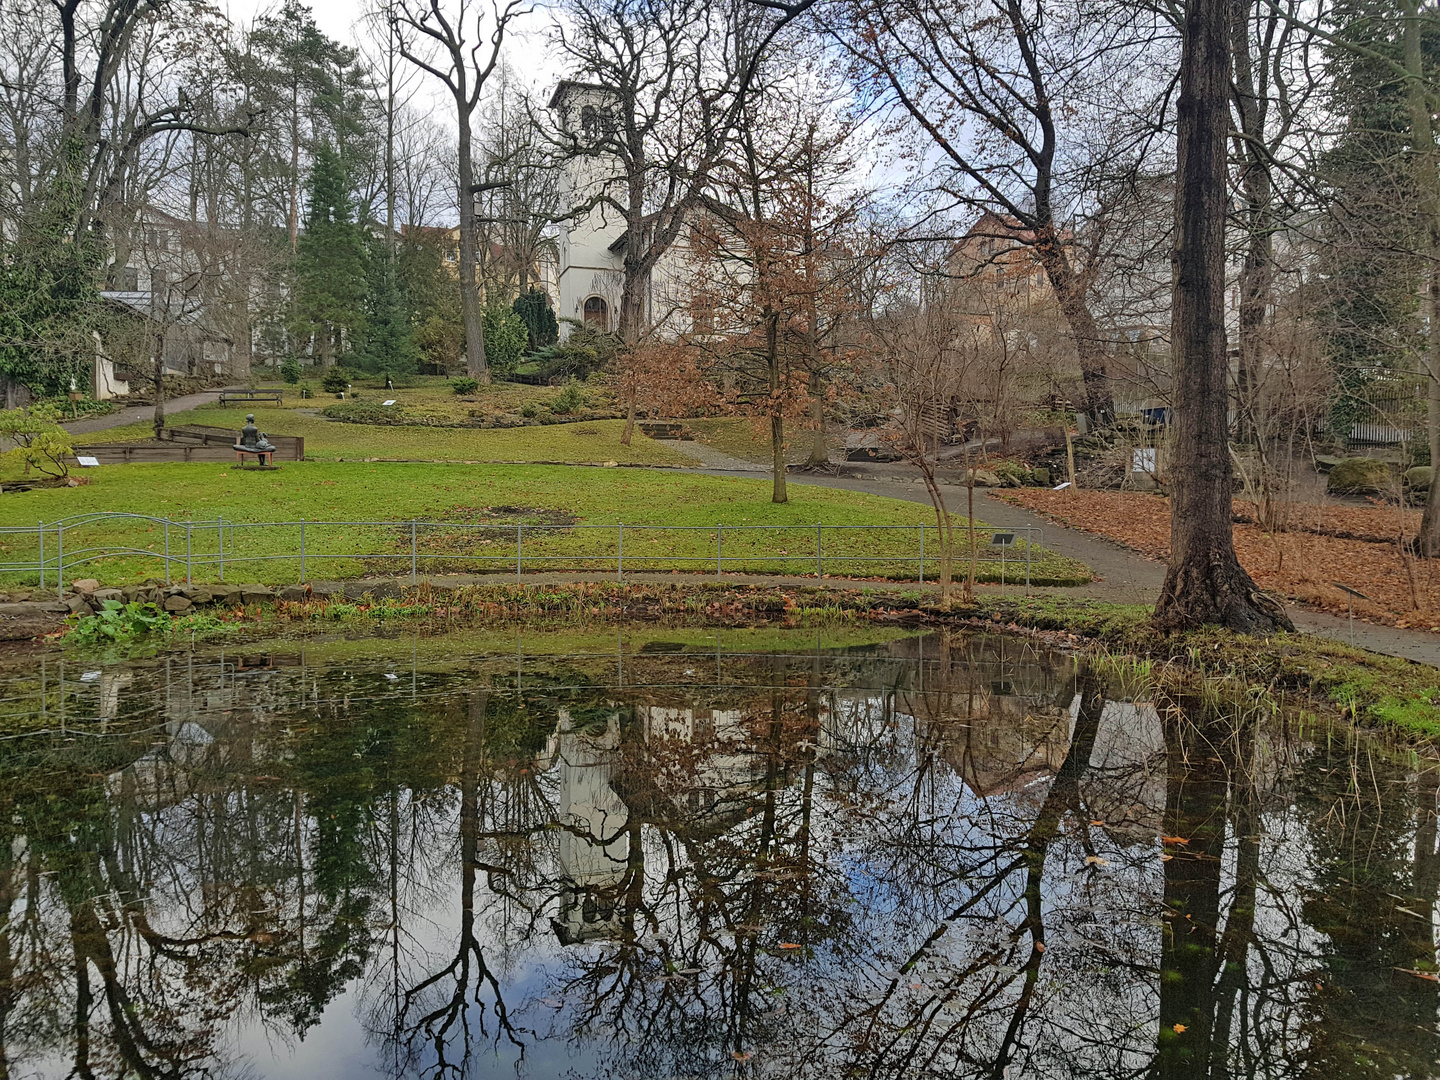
436, 1012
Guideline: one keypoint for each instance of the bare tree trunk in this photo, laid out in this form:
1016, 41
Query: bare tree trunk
294, 209
632, 317
1257, 270
777, 408
942, 523
470, 309
1422, 141
1205, 582
1070, 295
819, 445
159, 383
970, 530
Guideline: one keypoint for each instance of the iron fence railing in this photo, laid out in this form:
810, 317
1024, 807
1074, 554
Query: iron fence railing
55, 552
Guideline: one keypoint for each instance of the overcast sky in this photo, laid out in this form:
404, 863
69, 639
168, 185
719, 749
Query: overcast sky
525, 49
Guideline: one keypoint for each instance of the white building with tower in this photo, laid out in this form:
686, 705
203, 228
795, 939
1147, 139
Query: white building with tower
590, 273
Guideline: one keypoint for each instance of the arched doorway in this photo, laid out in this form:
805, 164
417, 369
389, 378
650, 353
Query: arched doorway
597, 313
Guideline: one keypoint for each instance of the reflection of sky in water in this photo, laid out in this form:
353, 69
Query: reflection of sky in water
935, 802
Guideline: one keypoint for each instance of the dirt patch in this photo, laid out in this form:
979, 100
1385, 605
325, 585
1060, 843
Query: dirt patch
1357, 546
473, 530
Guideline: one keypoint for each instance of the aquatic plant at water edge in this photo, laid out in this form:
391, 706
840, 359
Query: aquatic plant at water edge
118, 622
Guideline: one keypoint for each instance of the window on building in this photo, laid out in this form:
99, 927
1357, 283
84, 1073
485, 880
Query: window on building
597, 313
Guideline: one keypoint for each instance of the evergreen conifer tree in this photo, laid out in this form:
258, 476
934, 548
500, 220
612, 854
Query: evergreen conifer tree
330, 263
389, 345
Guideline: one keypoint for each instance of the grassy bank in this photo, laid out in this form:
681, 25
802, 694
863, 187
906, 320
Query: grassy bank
568, 518
1295, 670
1372, 689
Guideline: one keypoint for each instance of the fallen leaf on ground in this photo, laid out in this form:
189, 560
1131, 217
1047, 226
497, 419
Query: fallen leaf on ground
1179, 1029
1174, 840
1429, 976
1323, 544
790, 945
1096, 860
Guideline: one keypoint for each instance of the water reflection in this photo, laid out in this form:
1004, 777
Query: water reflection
925, 857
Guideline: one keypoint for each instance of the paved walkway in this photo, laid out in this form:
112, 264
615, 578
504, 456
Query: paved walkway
135, 414
1124, 576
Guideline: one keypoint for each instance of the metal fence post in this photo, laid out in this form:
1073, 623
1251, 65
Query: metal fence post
519, 547
413, 578
189, 566
167, 551
1029, 543
302, 551
819, 562
60, 560
42, 554
220, 532
719, 548
922, 554
620, 554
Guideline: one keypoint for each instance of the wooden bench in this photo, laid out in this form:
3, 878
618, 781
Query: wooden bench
227, 396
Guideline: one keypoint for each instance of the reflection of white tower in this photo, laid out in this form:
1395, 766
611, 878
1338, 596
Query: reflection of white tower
594, 846
588, 280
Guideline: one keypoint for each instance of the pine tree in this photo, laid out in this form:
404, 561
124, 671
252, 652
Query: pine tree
330, 263
1372, 273
541, 326
388, 345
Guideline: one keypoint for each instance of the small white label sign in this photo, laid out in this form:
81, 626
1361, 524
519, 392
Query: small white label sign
87, 462
390, 402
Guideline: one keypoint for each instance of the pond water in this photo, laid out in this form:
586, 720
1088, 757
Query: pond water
657, 854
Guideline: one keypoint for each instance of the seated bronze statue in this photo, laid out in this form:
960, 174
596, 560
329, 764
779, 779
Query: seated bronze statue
252, 441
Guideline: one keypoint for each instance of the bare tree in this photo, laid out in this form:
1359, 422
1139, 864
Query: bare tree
459, 44
1004, 98
1205, 582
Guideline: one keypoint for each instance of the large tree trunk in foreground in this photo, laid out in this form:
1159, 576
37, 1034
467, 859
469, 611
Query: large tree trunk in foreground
1205, 582
1422, 147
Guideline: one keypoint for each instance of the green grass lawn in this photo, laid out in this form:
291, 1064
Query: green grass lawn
435, 398
328, 440
551, 505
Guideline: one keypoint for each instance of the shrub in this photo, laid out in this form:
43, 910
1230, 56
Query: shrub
584, 351
568, 400
40, 443
290, 370
465, 384
48, 453
505, 339
529, 410
535, 312
335, 380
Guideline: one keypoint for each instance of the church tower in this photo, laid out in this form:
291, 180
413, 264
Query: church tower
589, 276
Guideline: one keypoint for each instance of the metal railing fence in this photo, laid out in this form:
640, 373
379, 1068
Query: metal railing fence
52, 553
